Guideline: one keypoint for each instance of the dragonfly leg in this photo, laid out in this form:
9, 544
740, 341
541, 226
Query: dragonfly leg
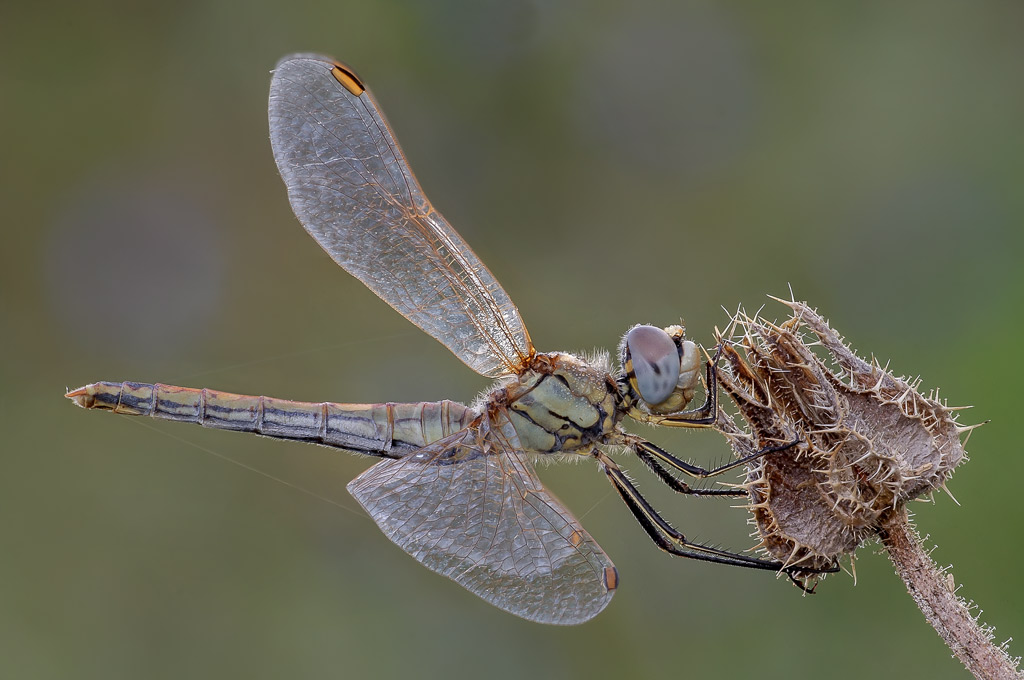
657, 458
678, 485
672, 541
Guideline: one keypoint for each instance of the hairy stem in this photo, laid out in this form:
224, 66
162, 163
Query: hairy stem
934, 593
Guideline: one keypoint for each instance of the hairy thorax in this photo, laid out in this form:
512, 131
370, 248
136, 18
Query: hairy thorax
561, 404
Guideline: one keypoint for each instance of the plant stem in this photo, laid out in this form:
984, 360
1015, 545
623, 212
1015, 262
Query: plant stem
935, 595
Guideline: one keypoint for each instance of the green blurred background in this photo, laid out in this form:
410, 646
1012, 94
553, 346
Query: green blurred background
612, 163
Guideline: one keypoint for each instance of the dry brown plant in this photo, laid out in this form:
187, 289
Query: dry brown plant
867, 443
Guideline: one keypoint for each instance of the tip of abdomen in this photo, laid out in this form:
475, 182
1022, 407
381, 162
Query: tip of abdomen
104, 395
83, 396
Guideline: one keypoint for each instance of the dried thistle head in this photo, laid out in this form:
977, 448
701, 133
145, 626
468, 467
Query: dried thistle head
868, 440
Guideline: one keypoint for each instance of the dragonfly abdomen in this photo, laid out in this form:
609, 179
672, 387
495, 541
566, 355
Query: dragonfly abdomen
389, 430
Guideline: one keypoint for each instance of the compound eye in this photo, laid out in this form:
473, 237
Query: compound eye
655, 360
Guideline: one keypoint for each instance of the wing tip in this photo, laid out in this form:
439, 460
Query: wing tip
304, 56
343, 73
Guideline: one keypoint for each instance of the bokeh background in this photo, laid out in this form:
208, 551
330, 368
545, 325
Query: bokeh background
612, 163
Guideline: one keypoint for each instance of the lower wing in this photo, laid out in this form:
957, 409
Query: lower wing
471, 507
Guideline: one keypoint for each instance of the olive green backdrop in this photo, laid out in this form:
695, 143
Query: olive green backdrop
612, 163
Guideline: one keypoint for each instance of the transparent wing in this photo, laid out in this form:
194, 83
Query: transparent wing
485, 521
351, 188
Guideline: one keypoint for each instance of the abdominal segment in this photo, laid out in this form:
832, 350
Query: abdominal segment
389, 430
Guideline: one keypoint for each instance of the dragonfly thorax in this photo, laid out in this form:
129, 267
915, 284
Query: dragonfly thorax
561, 403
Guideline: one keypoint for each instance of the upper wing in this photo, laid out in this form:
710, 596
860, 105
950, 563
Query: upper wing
351, 188
484, 520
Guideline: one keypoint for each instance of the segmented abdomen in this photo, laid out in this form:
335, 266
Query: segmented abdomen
391, 430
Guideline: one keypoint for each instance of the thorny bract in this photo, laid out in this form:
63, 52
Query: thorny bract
867, 441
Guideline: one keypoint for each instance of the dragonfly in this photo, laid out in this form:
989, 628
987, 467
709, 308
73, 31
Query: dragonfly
455, 486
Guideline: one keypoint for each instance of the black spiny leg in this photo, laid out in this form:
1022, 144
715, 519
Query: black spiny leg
672, 541
654, 456
680, 486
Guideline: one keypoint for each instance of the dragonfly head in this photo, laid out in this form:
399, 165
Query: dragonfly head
660, 369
